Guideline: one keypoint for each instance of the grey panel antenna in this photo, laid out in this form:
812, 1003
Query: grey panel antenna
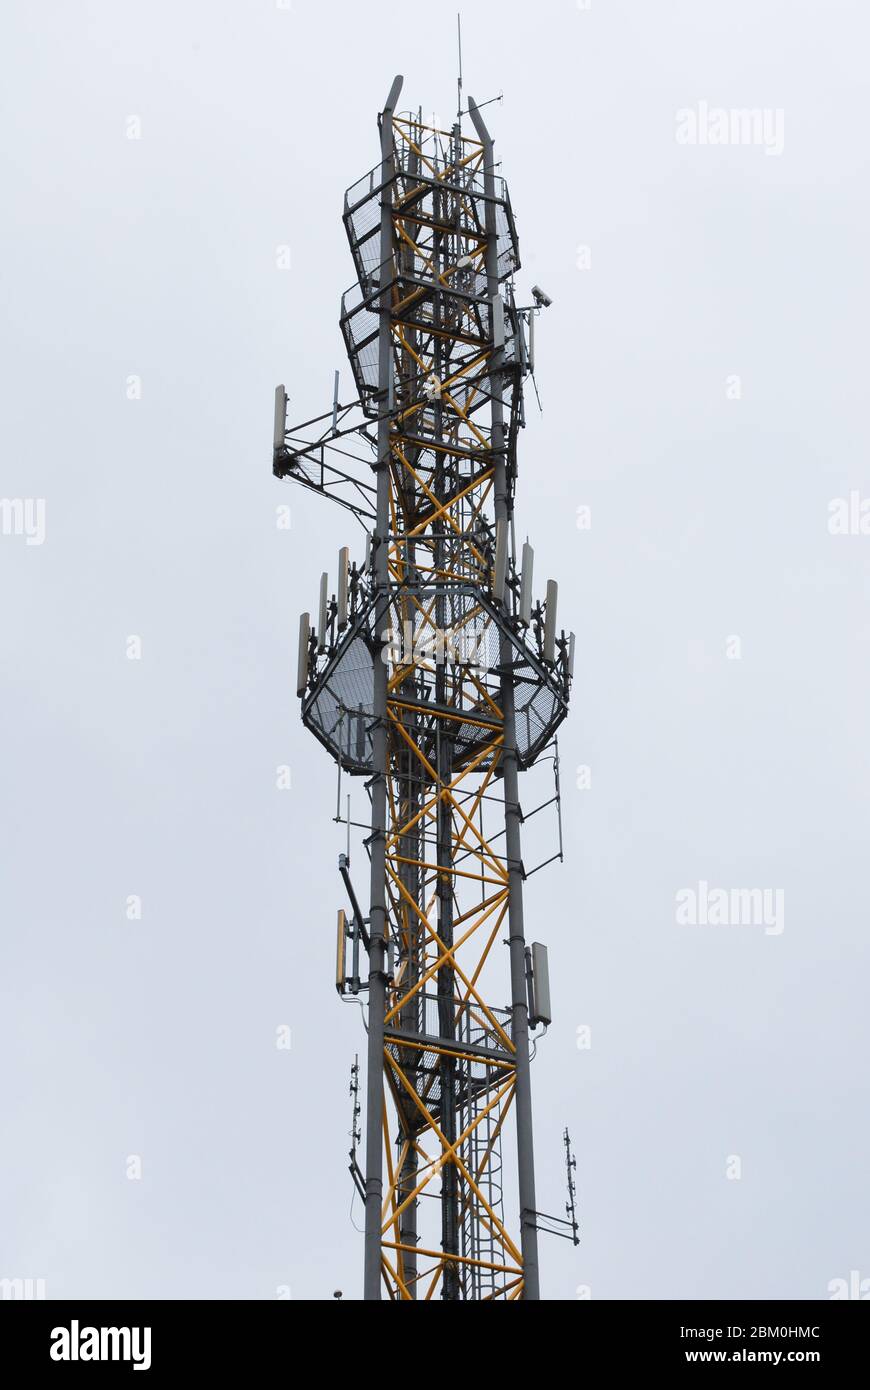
280, 417
550, 620
528, 574
541, 1009
501, 540
343, 567
302, 661
322, 613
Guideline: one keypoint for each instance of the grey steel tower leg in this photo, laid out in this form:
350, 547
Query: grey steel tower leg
519, 1006
377, 972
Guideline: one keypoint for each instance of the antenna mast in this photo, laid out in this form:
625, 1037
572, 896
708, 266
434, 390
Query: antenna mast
433, 676
459, 80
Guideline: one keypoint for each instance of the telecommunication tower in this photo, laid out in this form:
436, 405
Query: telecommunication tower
433, 674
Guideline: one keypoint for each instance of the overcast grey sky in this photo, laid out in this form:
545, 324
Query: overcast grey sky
703, 374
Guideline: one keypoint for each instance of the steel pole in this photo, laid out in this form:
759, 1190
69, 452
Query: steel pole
510, 781
378, 914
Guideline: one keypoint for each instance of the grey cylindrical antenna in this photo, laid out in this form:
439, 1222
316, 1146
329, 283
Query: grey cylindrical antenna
302, 663
501, 545
525, 614
343, 567
280, 417
572, 640
335, 406
368, 559
532, 316
550, 621
322, 612
497, 321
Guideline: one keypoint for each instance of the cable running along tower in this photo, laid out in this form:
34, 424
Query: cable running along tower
433, 675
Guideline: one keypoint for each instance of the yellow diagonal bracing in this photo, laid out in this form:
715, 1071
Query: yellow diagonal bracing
449, 1065
450, 1154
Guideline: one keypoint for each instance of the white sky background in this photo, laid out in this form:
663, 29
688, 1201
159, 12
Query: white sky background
156, 257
